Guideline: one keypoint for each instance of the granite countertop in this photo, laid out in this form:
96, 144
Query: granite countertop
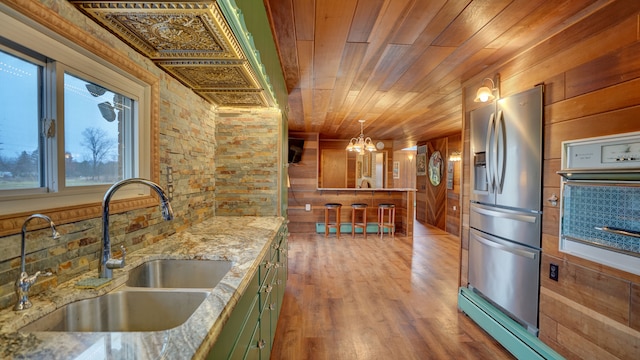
239, 239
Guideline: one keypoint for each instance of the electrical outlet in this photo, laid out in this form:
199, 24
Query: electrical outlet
553, 272
170, 192
307, 207
169, 175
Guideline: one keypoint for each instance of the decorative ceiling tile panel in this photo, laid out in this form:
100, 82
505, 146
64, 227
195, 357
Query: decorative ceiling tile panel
236, 98
172, 35
190, 40
212, 74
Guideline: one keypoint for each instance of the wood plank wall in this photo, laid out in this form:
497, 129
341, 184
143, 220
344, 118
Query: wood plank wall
453, 210
303, 182
435, 204
591, 73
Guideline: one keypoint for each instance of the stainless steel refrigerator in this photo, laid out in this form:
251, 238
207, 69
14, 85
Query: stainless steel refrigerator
505, 204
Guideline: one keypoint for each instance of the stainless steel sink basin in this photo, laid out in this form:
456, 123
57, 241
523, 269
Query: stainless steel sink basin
179, 273
123, 311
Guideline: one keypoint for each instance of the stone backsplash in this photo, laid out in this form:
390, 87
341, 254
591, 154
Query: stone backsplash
247, 162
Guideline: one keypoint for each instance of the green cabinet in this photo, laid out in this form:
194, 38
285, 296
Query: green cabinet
250, 330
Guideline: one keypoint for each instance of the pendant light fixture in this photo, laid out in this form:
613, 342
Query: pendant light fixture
361, 143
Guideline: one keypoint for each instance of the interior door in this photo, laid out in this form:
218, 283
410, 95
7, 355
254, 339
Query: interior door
334, 168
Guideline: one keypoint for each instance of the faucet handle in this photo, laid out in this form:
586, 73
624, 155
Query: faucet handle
115, 263
23, 284
124, 252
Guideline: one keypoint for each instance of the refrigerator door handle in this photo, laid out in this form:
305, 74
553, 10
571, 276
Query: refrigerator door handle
489, 152
519, 252
500, 152
501, 214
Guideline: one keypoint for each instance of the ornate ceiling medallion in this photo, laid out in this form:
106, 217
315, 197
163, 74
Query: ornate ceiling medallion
190, 40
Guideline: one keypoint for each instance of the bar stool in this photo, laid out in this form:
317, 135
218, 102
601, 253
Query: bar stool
336, 224
390, 210
363, 225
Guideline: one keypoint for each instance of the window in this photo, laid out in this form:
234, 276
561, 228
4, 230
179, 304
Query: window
20, 101
70, 125
98, 124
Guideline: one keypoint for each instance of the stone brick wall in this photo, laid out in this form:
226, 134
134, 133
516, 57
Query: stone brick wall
247, 162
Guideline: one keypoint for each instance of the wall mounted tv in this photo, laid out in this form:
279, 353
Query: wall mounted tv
295, 150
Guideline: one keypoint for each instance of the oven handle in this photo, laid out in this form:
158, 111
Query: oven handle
619, 231
523, 253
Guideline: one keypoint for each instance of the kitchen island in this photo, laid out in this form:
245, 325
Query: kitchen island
243, 240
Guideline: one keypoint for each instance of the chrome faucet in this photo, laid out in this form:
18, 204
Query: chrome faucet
24, 282
106, 263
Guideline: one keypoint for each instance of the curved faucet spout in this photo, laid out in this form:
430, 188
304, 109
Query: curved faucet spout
54, 234
106, 263
24, 282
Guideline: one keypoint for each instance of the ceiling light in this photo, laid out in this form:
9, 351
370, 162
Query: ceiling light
485, 93
361, 143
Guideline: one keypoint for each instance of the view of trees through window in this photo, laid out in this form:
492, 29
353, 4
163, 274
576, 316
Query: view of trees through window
94, 121
97, 124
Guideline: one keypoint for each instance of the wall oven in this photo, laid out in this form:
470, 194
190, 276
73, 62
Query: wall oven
600, 201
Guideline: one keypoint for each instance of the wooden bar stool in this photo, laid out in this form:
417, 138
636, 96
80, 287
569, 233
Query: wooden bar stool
336, 224
363, 225
390, 211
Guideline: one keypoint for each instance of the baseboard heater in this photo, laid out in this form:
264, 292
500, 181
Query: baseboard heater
346, 228
516, 339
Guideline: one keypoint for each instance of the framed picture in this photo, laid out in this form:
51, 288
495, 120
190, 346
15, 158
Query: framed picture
450, 166
396, 169
421, 161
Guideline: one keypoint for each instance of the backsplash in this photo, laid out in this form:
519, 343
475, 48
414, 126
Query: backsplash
247, 162
588, 207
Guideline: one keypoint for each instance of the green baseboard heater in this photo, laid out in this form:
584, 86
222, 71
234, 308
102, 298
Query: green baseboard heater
346, 228
511, 335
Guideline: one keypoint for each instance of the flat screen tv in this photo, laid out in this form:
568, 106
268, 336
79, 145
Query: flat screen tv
295, 150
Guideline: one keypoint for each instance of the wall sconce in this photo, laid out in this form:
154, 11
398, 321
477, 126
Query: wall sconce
485, 93
455, 156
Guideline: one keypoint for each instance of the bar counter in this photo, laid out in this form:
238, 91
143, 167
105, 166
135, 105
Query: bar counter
402, 198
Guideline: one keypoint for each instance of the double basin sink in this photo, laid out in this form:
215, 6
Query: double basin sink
158, 295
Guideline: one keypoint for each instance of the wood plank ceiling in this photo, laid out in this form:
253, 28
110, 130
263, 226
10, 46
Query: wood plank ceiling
399, 64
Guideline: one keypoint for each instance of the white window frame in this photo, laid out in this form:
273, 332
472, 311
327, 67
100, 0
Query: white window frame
84, 64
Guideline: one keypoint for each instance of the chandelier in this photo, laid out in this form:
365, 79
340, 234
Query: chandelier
360, 144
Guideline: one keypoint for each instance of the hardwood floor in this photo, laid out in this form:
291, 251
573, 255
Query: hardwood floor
377, 299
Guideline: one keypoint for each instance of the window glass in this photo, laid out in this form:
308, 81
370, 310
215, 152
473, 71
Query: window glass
97, 132
20, 143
